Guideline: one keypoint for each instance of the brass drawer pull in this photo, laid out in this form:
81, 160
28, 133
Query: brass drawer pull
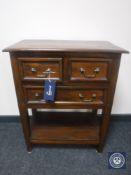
37, 95
46, 73
96, 71
33, 69
43, 76
87, 100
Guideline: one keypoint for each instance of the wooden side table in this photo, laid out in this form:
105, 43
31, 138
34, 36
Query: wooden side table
86, 75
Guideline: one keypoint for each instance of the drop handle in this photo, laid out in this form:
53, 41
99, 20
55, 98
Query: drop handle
81, 96
95, 72
37, 95
46, 73
33, 69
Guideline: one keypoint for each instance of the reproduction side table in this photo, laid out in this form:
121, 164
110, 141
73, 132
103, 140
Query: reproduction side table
86, 75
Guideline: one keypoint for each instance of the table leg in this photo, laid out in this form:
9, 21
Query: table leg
26, 128
103, 129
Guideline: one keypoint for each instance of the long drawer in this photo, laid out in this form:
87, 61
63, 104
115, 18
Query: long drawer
66, 95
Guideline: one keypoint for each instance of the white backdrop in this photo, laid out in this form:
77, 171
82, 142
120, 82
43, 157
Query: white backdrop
65, 19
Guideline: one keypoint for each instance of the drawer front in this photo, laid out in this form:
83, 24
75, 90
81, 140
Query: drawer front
94, 69
67, 94
41, 68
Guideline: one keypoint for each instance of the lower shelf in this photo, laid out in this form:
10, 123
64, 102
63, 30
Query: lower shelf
64, 128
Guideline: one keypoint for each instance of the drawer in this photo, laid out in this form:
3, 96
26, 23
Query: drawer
66, 94
40, 68
89, 69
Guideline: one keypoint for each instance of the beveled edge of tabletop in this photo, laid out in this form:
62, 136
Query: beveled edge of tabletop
65, 46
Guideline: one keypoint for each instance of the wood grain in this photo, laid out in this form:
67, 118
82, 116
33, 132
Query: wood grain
66, 94
65, 45
63, 128
75, 90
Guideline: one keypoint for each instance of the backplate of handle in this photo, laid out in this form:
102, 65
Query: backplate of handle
37, 94
95, 72
44, 74
87, 100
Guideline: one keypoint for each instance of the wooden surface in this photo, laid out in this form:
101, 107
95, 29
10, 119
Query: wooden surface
65, 128
32, 69
66, 94
86, 73
65, 45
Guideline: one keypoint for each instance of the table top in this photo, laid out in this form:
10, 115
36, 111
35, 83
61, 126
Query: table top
65, 45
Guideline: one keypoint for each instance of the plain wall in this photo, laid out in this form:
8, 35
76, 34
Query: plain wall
65, 19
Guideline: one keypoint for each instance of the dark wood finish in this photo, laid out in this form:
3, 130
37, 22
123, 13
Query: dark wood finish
93, 69
65, 128
86, 74
65, 45
22, 106
37, 69
66, 94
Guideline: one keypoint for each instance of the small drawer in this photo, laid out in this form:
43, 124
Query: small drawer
91, 69
41, 68
67, 95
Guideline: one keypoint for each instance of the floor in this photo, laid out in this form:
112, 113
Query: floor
62, 160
